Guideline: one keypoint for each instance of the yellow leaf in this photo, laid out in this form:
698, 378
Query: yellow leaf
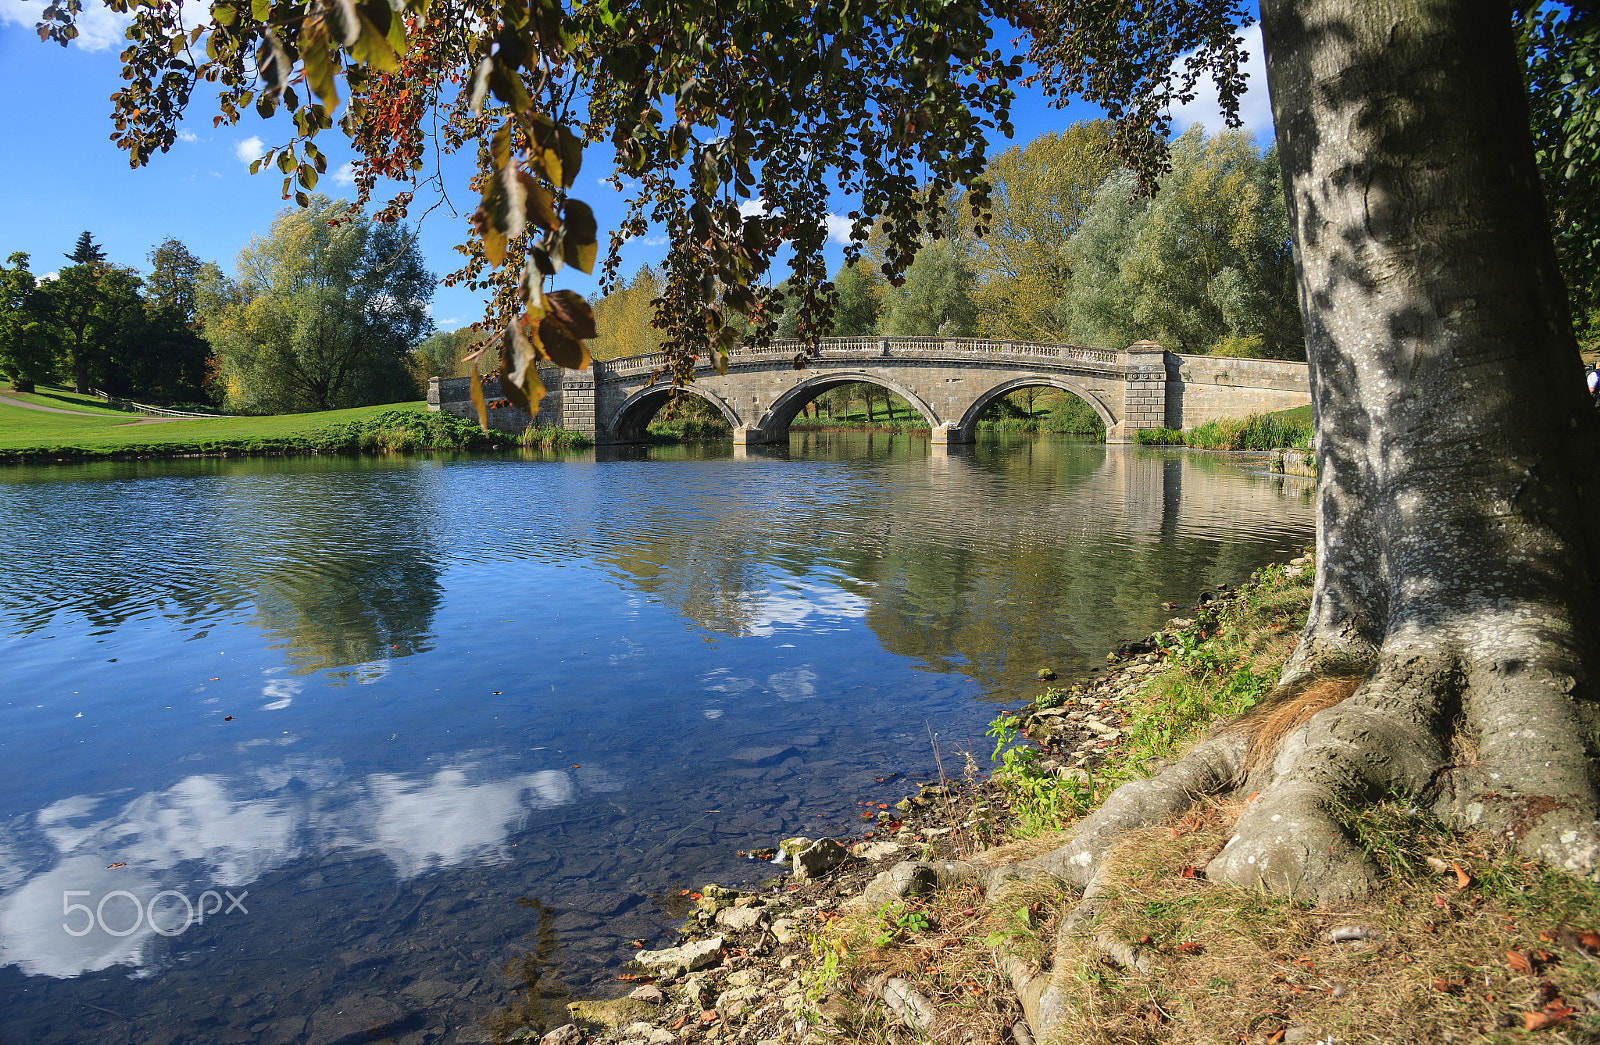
475, 389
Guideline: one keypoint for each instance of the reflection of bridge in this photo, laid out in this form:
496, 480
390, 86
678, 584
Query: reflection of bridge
949, 381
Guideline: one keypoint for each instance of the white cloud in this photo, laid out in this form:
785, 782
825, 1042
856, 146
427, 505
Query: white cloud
839, 228
188, 136
249, 150
345, 175
99, 28
749, 207
1255, 108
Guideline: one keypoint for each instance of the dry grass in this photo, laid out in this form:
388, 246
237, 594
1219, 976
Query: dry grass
1285, 710
1240, 966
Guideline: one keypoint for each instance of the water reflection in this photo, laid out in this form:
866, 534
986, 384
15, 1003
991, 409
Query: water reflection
208, 832
589, 679
339, 566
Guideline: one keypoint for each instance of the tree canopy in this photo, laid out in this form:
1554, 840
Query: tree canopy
324, 313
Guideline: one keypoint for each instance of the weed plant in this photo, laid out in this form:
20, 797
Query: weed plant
1286, 428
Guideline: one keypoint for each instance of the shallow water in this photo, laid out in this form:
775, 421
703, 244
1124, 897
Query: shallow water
284, 742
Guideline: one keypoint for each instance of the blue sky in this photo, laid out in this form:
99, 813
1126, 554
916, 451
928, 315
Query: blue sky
60, 173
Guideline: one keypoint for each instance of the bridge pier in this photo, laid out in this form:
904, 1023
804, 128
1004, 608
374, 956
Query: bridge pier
948, 433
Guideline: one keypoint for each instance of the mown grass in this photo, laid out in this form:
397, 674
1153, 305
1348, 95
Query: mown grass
1272, 431
1464, 940
29, 435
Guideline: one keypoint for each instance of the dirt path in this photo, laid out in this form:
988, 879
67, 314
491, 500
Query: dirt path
8, 400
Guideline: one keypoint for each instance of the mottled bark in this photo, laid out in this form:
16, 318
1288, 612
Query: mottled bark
1457, 526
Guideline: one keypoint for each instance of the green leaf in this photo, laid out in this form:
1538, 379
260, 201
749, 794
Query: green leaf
320, 65
475, 390
561, 346
519, 370
308, 176
571, 147
343, 21
500, 147
501, 214
372, 48
224, 14
541, 205
260, 10
573, 311
507, 86
272, 63
578, 236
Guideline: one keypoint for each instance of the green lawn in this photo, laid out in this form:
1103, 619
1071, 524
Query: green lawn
30, 433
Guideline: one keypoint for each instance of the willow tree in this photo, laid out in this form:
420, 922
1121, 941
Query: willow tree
1458, 531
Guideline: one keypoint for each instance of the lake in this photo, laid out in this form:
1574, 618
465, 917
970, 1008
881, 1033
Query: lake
282, 737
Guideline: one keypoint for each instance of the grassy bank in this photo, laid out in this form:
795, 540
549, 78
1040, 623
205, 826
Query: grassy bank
95, 432
1464, 940
1283, 428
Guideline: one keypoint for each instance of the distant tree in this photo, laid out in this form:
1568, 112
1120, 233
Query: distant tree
1040, 193
860, 301
175, 277
1206, 259
74, 300
87, 251
623, 318
26, 355
324, 313
936, 299
444, 353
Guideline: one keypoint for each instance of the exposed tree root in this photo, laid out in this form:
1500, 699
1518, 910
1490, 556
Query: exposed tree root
1530, 776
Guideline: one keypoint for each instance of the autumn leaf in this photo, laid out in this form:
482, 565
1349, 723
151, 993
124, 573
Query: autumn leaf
1463, 879
1519, 963
1552, 1014
113, 867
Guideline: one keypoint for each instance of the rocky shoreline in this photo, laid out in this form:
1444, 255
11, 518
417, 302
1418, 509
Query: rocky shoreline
743, 969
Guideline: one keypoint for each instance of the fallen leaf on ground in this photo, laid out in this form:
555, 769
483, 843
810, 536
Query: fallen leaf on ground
1444, 986
1548, 1016
1191, 948
707, 1015
1519, 963
679, 1022
1463, 879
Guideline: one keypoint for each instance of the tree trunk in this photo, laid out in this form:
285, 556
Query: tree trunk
1457, 526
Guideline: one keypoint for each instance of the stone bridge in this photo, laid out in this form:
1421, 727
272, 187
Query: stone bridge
949, 381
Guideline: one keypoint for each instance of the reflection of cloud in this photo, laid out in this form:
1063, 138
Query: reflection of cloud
797, 684
467, 821
769, 611
723, 681
280, 692
209, 832
34, 926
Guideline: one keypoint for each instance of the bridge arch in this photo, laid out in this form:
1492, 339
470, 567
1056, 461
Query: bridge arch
966, 429
629, 423
781, 414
